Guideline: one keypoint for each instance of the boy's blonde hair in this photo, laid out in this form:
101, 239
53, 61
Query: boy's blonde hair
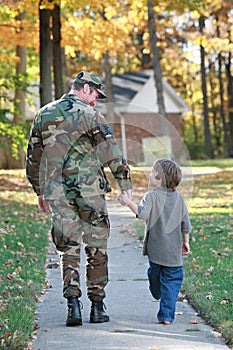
169, 171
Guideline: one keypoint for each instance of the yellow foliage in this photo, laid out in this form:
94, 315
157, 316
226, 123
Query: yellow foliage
97, 55
19, 32
111, 12
89, 34
204, 42
70, 51
49, 5
220, 44
93, 36
5, 57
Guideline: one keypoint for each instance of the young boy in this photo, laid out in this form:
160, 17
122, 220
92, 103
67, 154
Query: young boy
166, 218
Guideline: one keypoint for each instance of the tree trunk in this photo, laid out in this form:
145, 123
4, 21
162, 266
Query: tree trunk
207, 135
20, 93
57, 53
230, 100
155, 58
107, 75
216, 120
194, 124
45, 57
222, 113
145, 57
19, 101
191, 93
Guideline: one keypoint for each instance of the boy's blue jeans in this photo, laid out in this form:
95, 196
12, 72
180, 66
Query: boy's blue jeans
164, 284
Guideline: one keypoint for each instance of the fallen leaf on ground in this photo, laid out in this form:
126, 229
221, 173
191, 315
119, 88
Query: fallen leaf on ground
6, 335
52, 265
181, 296
217, 231
124, 231
52, 252
47, 285
225, 301
193, 321
29, 346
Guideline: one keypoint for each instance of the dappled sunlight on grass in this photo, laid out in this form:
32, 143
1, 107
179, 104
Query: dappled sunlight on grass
20, 197
213, 193
226, 163
210, 210
200, 202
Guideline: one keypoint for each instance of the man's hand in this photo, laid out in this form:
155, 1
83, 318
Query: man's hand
43, 205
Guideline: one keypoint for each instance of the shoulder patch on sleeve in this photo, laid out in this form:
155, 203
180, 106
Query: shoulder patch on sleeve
107, 129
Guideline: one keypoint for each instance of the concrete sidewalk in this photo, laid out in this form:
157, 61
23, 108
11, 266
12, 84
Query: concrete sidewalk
133, 324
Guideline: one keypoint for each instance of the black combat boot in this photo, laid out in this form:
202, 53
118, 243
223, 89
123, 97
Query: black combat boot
74, 317
98, 314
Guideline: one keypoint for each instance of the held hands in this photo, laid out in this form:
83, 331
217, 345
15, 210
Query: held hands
125, 197
43, 205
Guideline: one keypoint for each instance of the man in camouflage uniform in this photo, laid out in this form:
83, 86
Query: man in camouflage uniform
70, 143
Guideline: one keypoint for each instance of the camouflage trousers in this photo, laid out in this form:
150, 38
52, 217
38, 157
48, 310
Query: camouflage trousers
77, 221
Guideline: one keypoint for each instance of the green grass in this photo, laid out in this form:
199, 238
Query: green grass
218, 163
208, 270
23, 251
208, 281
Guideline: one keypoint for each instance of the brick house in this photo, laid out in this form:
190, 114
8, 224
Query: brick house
142, 133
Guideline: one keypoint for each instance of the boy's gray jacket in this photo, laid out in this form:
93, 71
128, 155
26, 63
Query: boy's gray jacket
69, 145
166, 217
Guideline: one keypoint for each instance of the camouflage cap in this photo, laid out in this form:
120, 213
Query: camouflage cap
86, 77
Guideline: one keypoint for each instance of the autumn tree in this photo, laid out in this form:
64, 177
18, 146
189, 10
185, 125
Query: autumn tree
115, 37
181, 66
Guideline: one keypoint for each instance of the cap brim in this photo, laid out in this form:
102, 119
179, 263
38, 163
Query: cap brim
102, 94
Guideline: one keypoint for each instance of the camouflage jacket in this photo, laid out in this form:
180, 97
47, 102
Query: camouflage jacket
70, 143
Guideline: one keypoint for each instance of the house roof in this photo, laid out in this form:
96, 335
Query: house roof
126, 86
135, 92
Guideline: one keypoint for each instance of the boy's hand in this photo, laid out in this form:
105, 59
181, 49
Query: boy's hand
185, 248
124, 198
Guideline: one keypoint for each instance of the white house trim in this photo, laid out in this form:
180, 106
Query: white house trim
146, 99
